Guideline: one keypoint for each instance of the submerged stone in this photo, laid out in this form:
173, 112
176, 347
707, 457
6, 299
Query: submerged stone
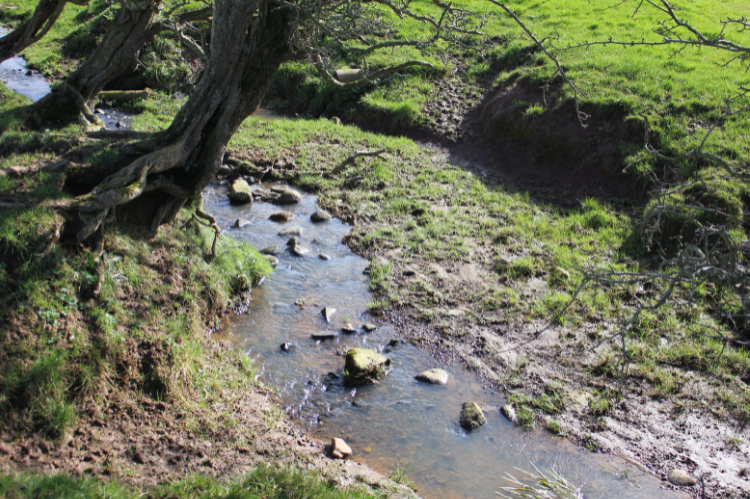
286, 346
289, 196
472, 416
291, 231
363, 365
320, 216
293, 241
298, 250
282, 216
328, 313
369, 327
270, 250
241, 222
433, 376
240, 192
325, 335
323, 256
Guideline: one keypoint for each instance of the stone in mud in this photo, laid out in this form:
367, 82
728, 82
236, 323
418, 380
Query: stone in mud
369, 327
339, 449
325, 335
291, 231
241, 222
298, 250
681, 478
328, 313
433, 376
472, 416
272, 260
348, 328
282, 216
320, 216
363, 365
576, 400
510, 413
270, 250
289, 196
323, 256
240, 192
294, 241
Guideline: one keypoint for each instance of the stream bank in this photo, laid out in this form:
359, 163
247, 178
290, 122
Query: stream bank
399, 423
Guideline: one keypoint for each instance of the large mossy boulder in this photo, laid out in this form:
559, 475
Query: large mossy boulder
240, 192
363, 365
472, 416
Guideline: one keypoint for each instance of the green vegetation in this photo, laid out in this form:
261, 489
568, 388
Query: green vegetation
78, 327
75, 35
541, 485
264, 482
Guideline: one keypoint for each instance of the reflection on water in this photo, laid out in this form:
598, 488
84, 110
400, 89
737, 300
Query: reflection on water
13, 74
400, 420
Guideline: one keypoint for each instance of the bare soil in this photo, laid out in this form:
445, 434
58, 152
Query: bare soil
143, 442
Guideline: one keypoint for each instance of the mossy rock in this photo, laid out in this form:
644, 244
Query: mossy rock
240, 192
363, 365
472, 416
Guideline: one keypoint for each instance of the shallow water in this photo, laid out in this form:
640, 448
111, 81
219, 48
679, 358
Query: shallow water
399, 422
13, 75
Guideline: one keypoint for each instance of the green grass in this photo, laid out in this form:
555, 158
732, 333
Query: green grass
72, 322
75, 34
264, 482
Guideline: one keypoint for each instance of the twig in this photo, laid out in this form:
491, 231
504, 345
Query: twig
350, 160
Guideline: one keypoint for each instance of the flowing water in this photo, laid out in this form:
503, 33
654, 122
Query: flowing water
399, 422
14, 75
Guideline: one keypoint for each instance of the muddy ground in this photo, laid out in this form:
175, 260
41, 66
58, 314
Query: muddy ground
143, 443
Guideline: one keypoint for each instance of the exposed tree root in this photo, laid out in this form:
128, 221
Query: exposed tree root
210, 222
350, 160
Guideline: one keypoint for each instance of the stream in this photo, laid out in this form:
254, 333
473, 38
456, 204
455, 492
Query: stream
400, 423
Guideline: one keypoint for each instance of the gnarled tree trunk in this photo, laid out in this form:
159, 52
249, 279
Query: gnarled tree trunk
132, 28
33, 30
118, 50
245, 56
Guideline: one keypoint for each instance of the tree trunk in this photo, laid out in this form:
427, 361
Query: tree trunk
117, 51
246, 53
30, 32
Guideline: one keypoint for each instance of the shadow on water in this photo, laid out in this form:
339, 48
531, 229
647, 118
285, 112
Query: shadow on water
399, 421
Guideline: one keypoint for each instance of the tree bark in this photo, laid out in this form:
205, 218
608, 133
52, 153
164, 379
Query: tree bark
246, 53
117, 51
33, 30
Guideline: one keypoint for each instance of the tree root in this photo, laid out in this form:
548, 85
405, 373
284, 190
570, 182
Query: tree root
210, 222
350, 160
83, 107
